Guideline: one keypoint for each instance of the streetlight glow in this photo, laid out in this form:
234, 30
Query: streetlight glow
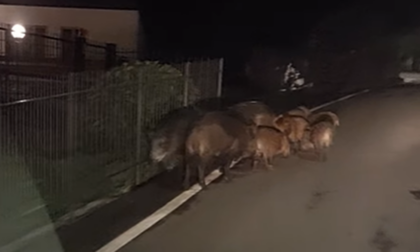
18, 31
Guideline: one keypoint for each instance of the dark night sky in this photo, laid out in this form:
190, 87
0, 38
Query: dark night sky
236, 25
223, 28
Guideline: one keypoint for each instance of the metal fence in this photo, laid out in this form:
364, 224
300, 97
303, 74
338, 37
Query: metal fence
84, 136
40, 51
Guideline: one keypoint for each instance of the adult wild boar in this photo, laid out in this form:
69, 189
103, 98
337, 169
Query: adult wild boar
168, 140
218, 137
255, 112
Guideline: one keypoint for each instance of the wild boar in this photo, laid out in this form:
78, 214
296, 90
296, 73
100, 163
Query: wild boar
321, 134
270, 142
293, 126
168, 140
218, 137
256, 112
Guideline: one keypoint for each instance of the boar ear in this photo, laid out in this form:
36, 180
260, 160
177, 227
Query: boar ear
335, 118
277, 119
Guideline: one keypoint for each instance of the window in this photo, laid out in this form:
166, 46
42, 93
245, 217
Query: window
39, 42
2, 42
67, 49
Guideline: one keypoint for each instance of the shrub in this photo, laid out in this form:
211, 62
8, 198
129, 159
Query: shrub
129, 101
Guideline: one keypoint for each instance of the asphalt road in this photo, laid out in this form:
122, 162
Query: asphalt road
364, 198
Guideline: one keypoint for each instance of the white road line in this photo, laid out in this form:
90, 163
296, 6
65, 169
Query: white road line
339, 99
167, 209
161, 213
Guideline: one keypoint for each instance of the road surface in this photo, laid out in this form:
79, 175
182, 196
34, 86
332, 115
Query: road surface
365, 198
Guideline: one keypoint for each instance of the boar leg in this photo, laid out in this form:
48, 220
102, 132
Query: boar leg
201, 177
187, 175
255, 162
227, 176
293, 148
321, 155
298, 146
268, 163
286, 152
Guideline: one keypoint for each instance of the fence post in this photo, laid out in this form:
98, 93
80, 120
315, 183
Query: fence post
79, 54
186, 83
111, 55
8, 50
220, 78
70, 114
139, 130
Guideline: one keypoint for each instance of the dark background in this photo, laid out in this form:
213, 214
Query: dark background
200, 28
232, 29
220, 28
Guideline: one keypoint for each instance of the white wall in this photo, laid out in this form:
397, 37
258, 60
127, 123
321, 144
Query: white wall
108, 26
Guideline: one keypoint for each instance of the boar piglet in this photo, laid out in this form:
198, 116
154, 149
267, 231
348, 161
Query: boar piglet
294, 127
270, 142
321, 134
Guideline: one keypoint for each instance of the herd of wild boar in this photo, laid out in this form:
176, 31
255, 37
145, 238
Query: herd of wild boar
194, 139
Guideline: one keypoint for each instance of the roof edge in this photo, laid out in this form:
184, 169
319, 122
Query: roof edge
120, 5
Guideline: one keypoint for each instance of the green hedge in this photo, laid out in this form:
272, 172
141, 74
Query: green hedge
145, 90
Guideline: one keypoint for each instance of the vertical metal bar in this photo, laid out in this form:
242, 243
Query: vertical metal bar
8, 50
220, 78
139, 130
70, 124
186, 83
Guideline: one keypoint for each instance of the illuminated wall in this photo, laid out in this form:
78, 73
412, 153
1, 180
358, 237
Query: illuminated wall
108, 26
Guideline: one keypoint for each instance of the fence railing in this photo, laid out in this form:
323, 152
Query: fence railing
39, 53
84, 136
